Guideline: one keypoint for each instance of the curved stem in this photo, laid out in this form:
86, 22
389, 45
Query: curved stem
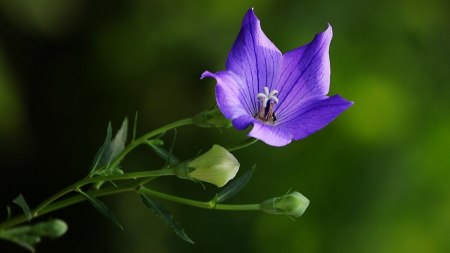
42, 208
83, 182
65, 203
201, 204
190, 202
49, 205
129, 188
245, 143
115, 163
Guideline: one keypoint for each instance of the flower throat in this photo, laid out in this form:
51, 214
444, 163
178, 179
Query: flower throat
268, 99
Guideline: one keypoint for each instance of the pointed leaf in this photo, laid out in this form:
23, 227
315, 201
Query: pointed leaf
135, 125
233, 187
117, 145
20, 201
163, 153
110, 150
99, 160
102, 208
21, 236
166, 217
27, 242
168, 161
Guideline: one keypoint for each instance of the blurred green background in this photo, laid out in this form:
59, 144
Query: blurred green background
377, 177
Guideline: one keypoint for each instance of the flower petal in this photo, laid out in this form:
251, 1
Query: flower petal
254, 58
315, 116
272, 135
305, 72
231, 98
242, 122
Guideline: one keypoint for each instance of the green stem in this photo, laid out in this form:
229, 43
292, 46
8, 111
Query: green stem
49, 205
41, 208
83, 182
115, 163
144, 138
241, 145
244, 207
129, 188
201, 204
65, 203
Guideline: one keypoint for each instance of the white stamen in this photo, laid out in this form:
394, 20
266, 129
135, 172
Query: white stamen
267, 96
261, 95
265, 100
274, 99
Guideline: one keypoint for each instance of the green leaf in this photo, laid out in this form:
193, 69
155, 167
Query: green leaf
233, 187
117, 145
135, 125
99, 157
169, 159
110, 150
21, 236
166, 217
20, 201
102, 208
163, 153
29, 235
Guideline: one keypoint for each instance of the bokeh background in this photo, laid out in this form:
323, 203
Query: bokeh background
378, 177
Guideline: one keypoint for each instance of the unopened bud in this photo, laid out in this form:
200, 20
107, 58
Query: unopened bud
293, 204
52, 228
217, 166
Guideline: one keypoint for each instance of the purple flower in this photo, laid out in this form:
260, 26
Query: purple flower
283, 96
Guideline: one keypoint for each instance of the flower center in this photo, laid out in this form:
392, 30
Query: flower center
268, 99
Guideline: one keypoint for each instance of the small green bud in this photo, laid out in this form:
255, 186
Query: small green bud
52, 228
212, 118
293, 204
217, 166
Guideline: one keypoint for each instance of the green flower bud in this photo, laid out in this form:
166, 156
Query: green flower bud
52, 228
217, 166
212, 118
293, 204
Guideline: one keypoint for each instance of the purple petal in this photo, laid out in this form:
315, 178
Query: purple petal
315, 116
271, 135
301, 77
231, 98
305, 72
254, 58
242, 122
